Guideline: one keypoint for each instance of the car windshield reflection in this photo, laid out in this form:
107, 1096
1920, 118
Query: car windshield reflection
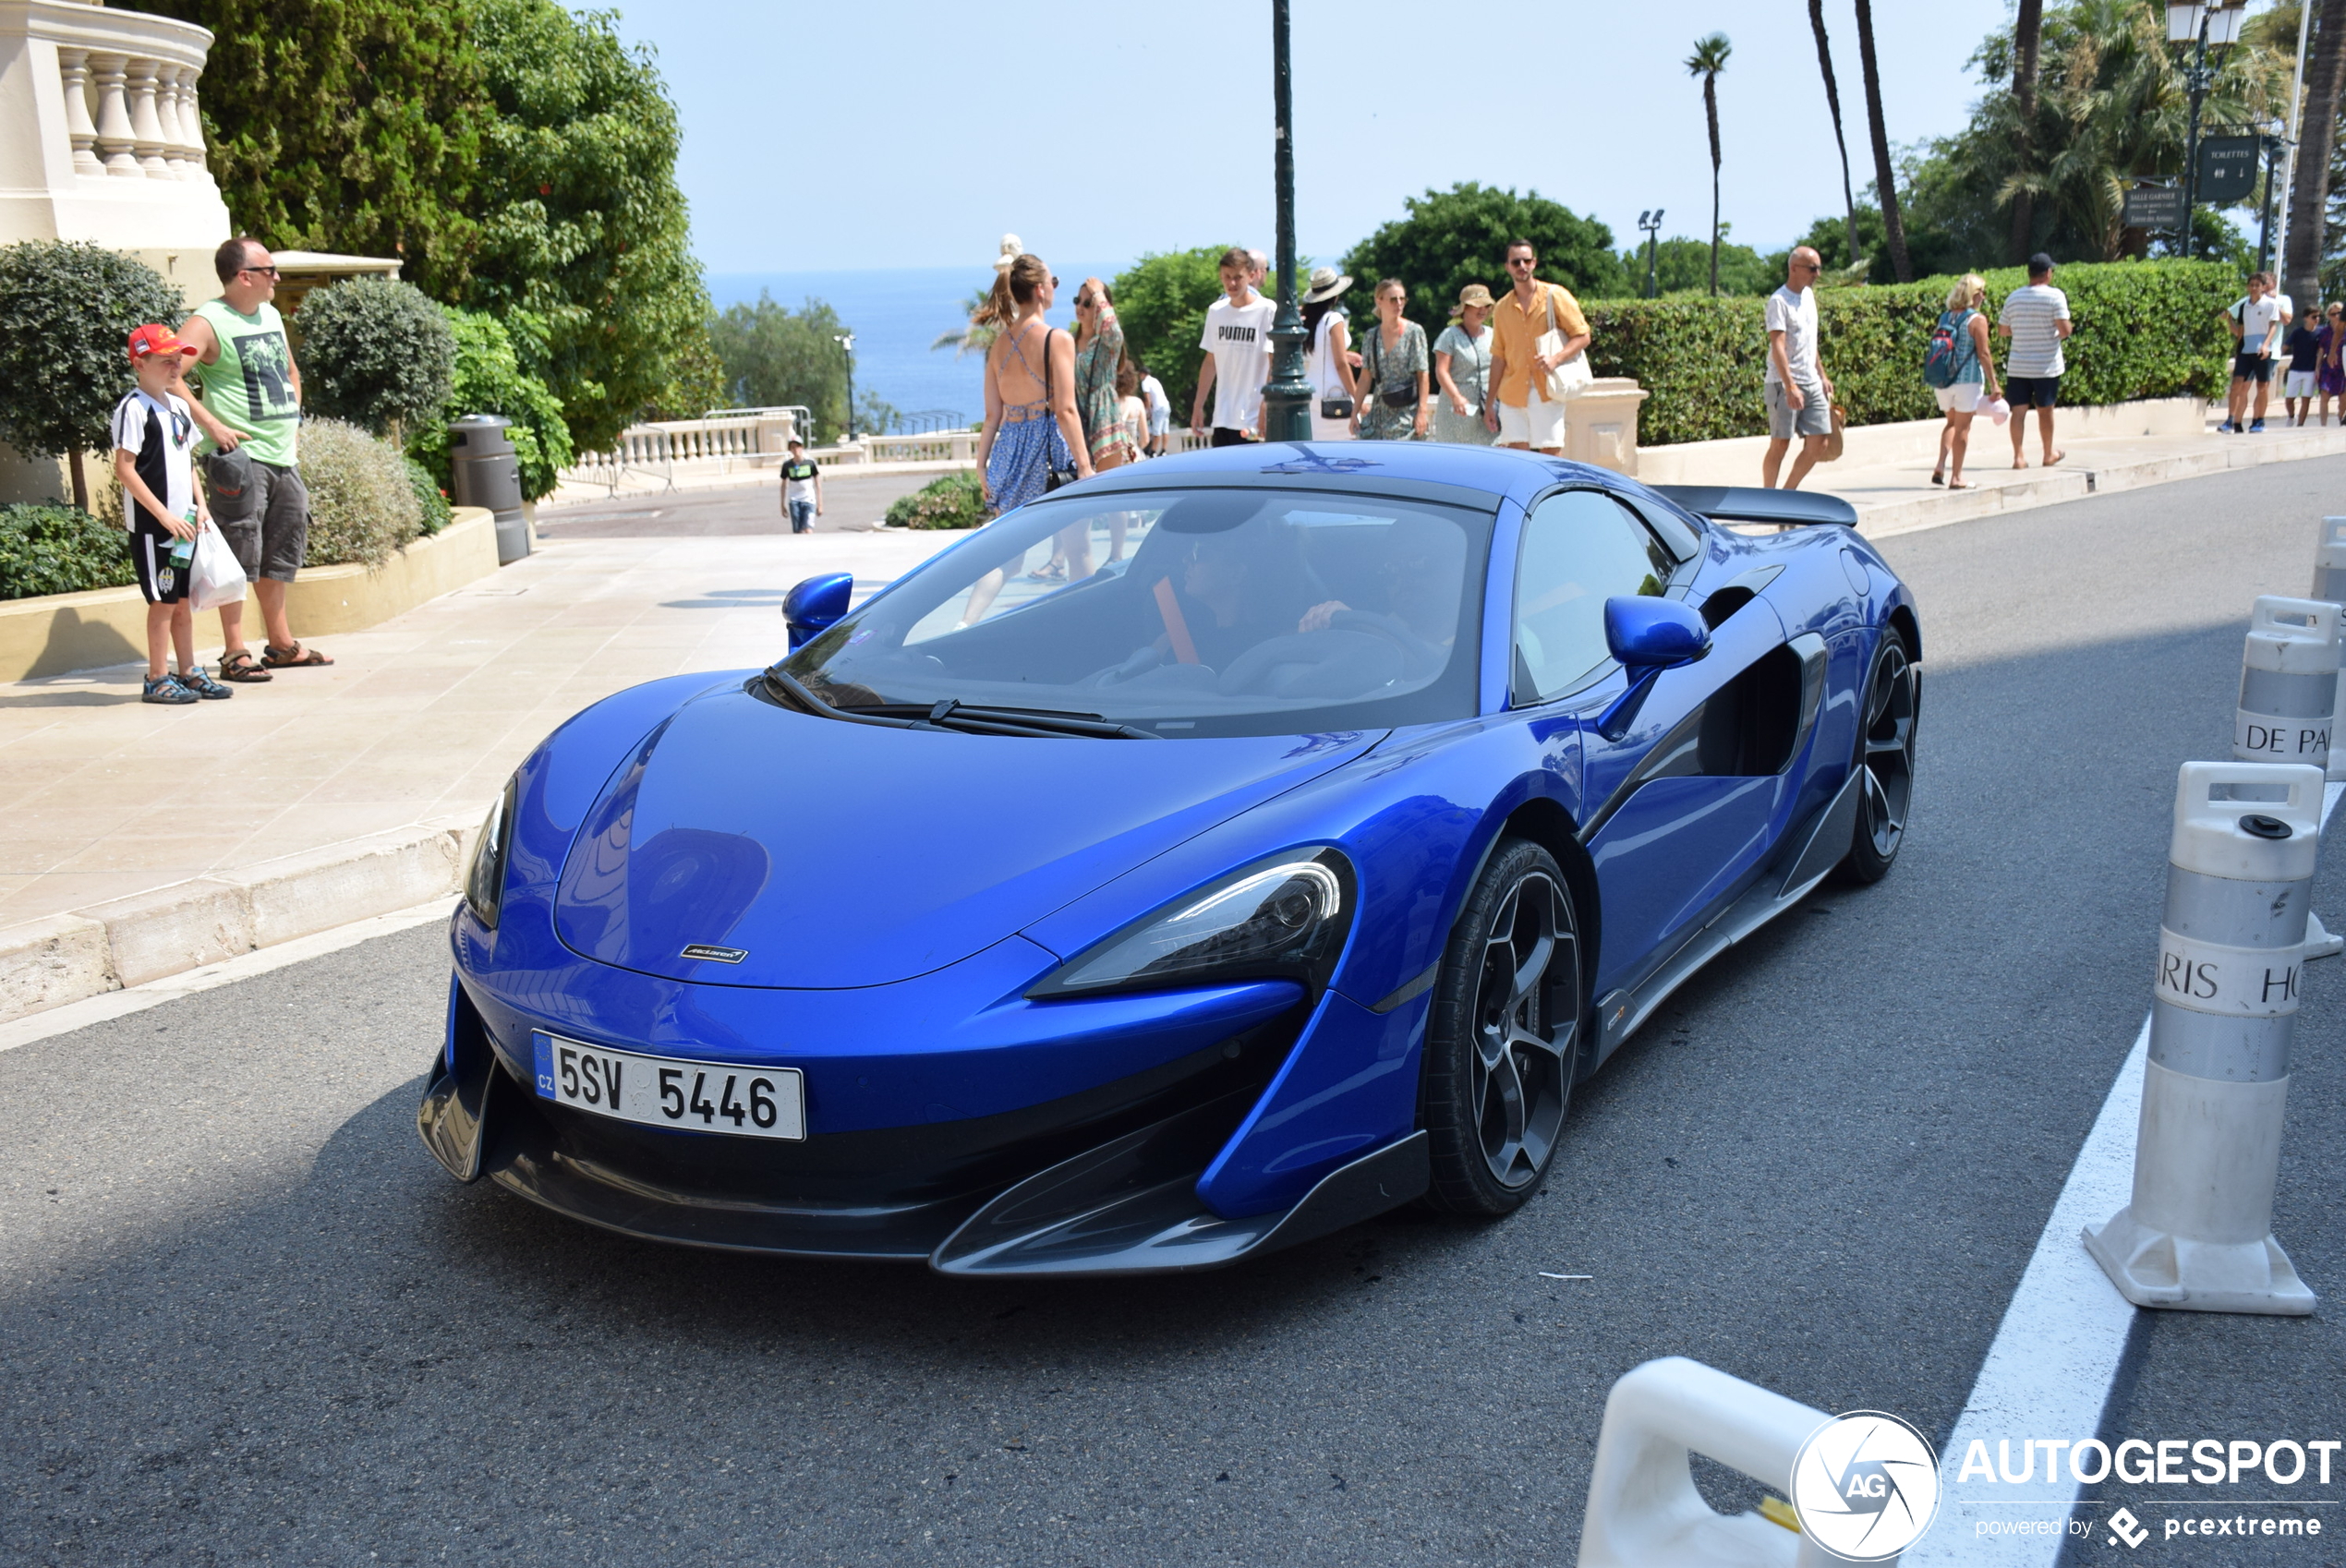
1184, 612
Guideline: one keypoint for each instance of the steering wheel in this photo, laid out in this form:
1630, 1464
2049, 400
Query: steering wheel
1419, 657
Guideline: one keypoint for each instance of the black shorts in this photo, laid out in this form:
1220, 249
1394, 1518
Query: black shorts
2251, 367
1225, 436
158, 580
2032, 391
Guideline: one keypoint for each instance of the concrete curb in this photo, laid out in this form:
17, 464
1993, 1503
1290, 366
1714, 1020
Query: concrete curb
65, 957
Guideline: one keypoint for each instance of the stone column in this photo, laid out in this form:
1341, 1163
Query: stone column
146, 125
191, 119
175, 139
73, 65
113, 134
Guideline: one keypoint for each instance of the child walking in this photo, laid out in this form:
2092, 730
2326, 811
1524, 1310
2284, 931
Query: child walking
154, 443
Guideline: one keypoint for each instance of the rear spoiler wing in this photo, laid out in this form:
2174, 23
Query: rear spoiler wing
1740, 504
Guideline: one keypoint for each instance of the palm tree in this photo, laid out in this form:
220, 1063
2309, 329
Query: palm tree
2027, 32
2325, 101
973, 338
1832, 102
1885, 175
1710, 57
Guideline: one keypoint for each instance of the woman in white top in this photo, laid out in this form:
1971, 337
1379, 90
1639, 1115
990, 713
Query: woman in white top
1327, 364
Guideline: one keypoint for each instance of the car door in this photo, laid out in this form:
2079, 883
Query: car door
1679, 801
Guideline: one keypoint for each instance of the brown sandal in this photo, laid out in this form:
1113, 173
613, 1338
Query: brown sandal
240, 667
295, 657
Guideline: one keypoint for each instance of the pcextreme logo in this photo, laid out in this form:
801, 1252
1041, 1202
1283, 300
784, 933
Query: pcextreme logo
1865, 1485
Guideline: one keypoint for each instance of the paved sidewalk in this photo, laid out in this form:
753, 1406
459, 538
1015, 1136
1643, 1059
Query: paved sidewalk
420, 717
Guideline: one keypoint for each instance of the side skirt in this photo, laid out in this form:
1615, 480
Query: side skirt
1807, 859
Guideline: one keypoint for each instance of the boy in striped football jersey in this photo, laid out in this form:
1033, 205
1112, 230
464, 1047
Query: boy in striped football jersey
154, 443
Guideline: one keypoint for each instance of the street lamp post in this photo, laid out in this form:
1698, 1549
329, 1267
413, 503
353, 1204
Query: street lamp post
1287, 399
2274, 146
1651, 223
2212, 21
846, 342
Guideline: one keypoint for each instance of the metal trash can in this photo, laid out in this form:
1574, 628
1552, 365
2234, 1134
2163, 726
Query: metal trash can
483, 471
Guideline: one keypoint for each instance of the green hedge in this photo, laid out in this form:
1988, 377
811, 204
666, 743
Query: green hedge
2144, 329
956, 501
59, 550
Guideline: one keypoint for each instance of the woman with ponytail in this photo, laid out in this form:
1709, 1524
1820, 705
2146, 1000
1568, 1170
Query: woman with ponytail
1031, 426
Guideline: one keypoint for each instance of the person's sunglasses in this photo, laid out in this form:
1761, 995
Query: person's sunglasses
262, 271
1523, 261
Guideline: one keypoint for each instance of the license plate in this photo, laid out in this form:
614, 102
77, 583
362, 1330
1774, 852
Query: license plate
664, 1092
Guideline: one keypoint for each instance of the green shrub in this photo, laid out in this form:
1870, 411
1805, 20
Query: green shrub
59, 550
489, 379
362, 505
374, 351
956, 501
429, 500
2144, 329
66, 313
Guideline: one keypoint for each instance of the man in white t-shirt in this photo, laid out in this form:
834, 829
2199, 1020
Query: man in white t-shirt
1237, 342
1799, 393
2255, 320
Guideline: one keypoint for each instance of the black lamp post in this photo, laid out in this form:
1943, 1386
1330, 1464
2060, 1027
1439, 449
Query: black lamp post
2185, 18
2274, 146
1287, 399
1651, 223
846, 342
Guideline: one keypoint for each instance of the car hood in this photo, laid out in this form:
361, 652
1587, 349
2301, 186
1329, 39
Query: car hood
831, 855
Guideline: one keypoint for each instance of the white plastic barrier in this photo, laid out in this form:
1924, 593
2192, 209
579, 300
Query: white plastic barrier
2329, 584
2232, 949
2288, 682
1643, 1508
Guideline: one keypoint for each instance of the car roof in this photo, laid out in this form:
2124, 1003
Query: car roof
1499, 470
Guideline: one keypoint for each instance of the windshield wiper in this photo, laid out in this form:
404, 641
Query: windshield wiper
951, 714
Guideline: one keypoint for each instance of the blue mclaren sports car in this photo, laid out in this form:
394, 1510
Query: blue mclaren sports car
1205, 857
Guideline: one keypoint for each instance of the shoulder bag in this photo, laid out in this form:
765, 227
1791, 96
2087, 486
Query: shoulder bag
1572, 375
1333, 405
1405, 398
1056, 475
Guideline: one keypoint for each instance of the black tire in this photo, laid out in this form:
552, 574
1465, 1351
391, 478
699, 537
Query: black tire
1503, 1035
1886, 751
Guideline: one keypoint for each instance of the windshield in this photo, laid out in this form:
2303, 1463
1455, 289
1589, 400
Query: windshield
1183, 613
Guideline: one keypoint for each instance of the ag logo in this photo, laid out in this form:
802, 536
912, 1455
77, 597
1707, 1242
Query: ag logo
1865, 1485
2125, 1527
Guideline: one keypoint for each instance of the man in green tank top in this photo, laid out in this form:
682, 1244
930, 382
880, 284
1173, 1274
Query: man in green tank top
250, 408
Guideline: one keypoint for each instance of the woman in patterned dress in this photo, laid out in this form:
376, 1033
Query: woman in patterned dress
1396, 371
1462, 364
1031, 426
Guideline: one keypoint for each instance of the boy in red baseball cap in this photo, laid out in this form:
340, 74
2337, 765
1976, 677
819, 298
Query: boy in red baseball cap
154, 444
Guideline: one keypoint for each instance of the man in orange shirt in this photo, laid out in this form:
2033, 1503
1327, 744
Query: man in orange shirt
1516, 409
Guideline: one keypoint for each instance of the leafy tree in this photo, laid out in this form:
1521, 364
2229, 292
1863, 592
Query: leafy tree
489, 378
1832, 102
1161, 302
695, 379
1683, 265
377, 353
345, 124
1459, 237
774, 356
1885, 173
1710, 59
581, 222
66, 313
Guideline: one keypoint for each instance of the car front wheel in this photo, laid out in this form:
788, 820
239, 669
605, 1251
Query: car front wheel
1503, 1034
1886, 752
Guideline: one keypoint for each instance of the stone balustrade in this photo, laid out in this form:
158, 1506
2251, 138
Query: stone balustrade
102, 131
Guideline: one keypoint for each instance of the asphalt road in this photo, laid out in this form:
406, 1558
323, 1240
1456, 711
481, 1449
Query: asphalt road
247, 1318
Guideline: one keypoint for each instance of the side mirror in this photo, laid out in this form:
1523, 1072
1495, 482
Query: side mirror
820, 603
1647, 634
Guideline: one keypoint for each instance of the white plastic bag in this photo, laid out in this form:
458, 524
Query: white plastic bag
213, 576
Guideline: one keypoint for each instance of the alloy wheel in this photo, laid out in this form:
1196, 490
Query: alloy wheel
1522, 1061
1889, 748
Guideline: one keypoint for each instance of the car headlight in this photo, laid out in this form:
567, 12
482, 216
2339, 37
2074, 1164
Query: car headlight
485, 879
1284, 916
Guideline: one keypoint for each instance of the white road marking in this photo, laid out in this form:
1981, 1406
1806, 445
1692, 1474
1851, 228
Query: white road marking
2063, 1339
244, 965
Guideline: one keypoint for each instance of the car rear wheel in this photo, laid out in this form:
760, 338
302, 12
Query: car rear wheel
1503, 1034
1886, 751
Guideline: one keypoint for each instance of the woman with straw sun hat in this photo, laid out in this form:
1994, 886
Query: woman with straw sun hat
1327, 364
1462, 367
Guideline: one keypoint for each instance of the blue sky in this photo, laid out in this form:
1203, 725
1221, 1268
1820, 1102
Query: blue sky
913, 134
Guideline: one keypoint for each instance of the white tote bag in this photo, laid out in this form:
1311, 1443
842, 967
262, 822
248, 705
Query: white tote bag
1569, 377
214, 578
